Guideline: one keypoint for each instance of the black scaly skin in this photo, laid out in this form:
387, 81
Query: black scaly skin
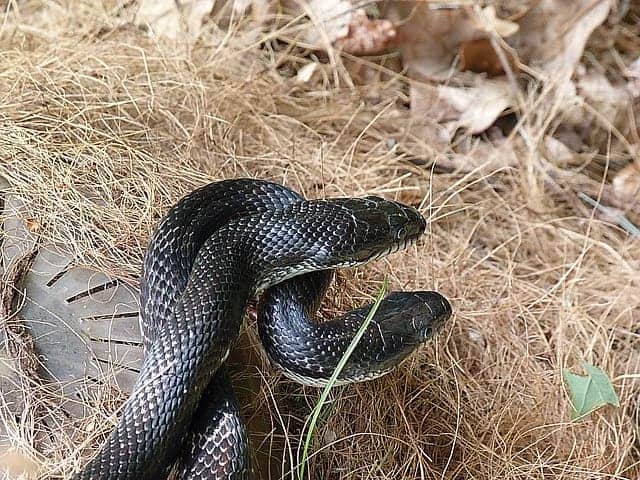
184, 229
309, 352
171, 253
198, 324
217, 446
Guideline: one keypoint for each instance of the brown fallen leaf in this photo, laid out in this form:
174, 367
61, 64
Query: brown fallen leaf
608, 99
171, 19
484, 155
479, 56
553, 33
330, 20
430, 37
557, 152
226, 12
6, 365
365, 36
427, 103
472, 108
260, 9
363, 72
591, 105
338, 23
488, 20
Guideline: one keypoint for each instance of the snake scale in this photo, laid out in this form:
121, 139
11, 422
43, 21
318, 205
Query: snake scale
212, 252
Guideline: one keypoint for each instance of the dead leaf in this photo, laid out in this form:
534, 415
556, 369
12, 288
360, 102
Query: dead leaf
480, 106
225, 13
338, 23
487, 20
557, 152
330, 20
6, 365
427, 103
260, 9
366, 73
472, 108
479, 56
554, 33
431, 37
366, 37
484, 155
171, 19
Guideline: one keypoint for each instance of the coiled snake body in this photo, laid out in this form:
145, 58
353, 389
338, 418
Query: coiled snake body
214, 250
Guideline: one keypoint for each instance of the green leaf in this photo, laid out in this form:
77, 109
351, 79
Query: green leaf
334, 377
590, 392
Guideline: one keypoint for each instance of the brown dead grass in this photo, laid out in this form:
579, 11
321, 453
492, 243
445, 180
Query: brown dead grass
102, 128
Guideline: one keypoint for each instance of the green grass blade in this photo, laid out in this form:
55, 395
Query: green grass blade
621, 219
332, 380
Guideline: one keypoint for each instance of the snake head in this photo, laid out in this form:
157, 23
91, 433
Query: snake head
413, 316
403, 322
381, 227
429, 312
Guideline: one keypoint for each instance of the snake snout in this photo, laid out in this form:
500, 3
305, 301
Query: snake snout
382, 226
413, 316
424, 313
416, 223
404, 221
432, 311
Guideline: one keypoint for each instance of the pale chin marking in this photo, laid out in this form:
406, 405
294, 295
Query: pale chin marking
322, 382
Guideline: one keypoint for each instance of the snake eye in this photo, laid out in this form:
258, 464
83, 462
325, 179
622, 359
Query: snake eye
400, 233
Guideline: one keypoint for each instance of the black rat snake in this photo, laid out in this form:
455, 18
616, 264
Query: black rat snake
212, 252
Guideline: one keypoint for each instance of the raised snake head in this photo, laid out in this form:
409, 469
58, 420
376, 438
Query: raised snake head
380, 227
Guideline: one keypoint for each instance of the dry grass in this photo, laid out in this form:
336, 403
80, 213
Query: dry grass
102, 128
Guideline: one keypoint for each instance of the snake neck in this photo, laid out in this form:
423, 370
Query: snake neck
175, 244
309, 352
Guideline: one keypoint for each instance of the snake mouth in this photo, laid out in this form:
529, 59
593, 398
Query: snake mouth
401, 245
